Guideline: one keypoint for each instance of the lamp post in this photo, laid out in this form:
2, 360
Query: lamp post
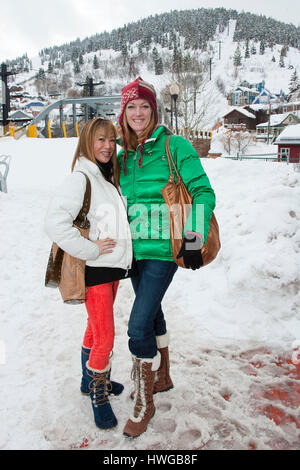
268, 139
174, 91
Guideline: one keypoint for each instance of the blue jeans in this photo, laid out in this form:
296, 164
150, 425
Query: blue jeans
147, 319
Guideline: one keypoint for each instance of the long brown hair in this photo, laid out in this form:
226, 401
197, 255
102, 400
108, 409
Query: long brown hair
86, 141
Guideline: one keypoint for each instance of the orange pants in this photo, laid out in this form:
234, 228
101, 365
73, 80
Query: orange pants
100, 331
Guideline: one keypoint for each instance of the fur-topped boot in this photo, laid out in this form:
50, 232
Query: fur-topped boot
163, 381
143, 374
113, 388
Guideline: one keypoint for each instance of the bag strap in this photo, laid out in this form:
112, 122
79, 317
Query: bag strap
81, 219
170, 159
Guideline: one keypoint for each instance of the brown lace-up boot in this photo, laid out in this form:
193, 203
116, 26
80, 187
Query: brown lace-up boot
144, 409
162, 381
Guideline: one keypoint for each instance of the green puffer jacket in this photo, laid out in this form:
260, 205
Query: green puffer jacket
147, 213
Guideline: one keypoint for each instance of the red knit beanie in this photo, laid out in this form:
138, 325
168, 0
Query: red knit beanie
136, 90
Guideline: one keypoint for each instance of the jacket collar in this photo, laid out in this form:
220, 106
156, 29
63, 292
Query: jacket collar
84, 164
159, 131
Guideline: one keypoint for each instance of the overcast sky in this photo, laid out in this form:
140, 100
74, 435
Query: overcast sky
31, 26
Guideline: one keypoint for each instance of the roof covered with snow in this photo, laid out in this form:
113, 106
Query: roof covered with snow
19, 115
276, 119
244, 88
290, 135
242, 111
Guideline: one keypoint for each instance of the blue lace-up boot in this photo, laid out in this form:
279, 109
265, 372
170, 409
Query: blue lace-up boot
113, 388
103, 414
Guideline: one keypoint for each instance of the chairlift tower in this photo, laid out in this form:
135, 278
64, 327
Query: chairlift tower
5, 94
91, 87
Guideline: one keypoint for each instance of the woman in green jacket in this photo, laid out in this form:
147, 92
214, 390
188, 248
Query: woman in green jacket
144, 171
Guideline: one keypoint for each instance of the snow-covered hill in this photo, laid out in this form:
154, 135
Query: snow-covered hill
225, 77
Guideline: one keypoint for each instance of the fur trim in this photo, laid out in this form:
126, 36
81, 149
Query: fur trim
107, 368
163, 341
155, 361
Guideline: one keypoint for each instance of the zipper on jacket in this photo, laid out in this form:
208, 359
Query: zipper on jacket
133, 179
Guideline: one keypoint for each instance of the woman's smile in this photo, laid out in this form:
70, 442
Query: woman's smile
104, 146
138, 115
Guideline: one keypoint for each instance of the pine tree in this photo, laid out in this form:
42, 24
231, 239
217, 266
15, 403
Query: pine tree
85, 90
177, 60
159, 67
74, 54
262, 47
187, 63
253, 50
147, 40
154, 54
247, 52
284, 50
158, 64
41, 74
237, 60
281, 62
283, 54
95, 62
271, 43
76, 67
164, 41
140, 48
124, 53
187, 42
294, 84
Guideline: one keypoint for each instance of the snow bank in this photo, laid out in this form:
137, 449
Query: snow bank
243, 303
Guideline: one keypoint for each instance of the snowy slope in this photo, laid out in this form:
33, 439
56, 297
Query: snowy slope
221, 50
244, 306
254, 69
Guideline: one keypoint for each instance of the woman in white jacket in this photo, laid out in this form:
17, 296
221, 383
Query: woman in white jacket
108, 254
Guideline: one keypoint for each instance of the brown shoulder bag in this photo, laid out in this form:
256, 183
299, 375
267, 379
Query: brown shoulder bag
63, 270
179, 203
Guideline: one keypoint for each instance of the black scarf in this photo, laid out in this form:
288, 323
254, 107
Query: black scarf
106, 169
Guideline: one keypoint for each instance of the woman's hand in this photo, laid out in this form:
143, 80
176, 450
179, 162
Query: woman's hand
191, 250
105, 246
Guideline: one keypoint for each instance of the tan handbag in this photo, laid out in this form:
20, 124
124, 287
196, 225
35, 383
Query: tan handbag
179, 202
63, 270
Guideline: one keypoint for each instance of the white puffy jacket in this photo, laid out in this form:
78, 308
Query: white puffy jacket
107, 217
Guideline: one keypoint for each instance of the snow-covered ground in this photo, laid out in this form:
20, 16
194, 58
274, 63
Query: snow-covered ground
242, 310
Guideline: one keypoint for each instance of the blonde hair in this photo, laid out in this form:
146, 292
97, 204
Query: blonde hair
86, 142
